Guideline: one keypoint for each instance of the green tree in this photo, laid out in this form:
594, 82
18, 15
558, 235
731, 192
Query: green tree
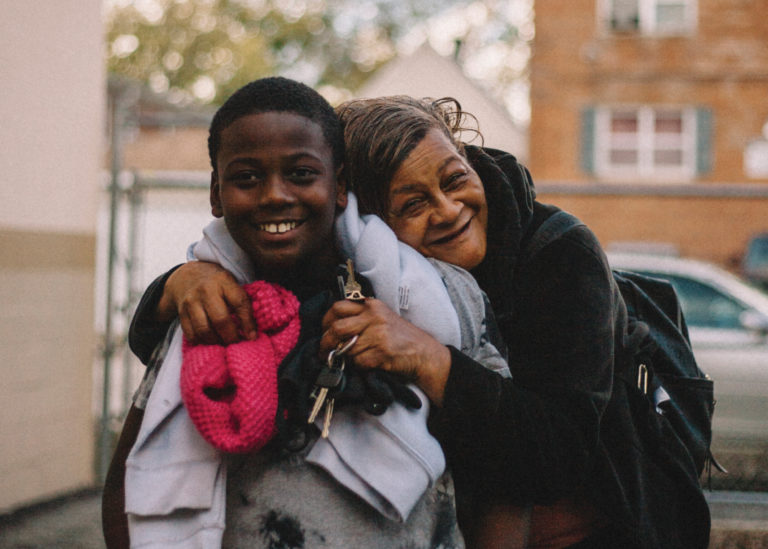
206, 49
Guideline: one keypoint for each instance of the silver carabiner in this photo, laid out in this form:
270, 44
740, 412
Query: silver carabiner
342, 348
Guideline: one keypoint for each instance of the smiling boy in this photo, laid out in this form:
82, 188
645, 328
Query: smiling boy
275, 183
276, 151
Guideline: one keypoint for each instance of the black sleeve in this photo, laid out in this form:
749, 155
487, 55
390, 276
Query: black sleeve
145, 332
533, 438
114, 522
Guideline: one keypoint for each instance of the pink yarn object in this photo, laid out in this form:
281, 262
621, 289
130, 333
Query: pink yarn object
230, 392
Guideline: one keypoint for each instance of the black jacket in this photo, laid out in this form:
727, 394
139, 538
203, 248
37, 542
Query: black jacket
560, 426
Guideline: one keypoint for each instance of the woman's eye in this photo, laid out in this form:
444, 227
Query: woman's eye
455, 181
411, 206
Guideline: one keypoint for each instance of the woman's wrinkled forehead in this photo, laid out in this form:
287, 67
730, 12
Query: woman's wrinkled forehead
379, 135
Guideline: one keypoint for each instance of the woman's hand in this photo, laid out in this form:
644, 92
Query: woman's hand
387, 341
205, 296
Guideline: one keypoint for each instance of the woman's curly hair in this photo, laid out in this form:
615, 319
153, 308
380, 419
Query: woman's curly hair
381, 132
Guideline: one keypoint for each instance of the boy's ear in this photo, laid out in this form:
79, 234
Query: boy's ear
216, 208
341, 190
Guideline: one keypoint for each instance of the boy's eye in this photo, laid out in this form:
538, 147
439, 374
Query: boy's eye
302, 174
246, 177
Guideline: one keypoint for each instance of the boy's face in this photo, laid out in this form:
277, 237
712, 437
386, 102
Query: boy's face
277, 189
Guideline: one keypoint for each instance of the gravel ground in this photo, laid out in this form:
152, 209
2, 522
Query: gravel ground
71, 522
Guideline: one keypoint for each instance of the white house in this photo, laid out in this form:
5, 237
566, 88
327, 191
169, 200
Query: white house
425, 73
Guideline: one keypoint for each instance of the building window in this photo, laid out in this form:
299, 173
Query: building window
649, 16
646, 142
756, 158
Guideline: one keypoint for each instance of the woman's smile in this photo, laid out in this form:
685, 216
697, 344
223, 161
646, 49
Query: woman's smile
453, 235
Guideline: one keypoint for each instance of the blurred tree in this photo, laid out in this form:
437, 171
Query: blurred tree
206, 49
491, 41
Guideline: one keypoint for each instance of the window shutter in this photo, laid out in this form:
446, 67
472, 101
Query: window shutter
625, 15
588, 140
703, 141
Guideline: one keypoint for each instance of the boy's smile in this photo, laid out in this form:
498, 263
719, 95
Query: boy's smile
279, 228
276, 187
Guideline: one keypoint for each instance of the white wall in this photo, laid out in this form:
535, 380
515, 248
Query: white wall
51, 150
52, 111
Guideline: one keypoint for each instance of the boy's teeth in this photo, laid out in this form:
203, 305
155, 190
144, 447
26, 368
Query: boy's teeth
278, 228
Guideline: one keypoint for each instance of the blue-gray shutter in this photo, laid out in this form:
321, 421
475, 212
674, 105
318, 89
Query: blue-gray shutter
703, 141
588, 140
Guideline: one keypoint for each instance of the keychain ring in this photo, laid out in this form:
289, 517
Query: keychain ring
342, 348
332, 357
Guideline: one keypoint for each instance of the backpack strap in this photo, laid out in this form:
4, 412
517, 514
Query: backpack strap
555, 226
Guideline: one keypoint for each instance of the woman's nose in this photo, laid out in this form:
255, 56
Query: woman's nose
445, 211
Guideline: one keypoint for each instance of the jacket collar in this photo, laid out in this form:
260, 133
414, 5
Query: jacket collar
510, 194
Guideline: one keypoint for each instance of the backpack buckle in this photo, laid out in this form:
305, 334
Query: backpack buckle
642, 378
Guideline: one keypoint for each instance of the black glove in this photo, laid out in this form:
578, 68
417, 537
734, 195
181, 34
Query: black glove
375, 391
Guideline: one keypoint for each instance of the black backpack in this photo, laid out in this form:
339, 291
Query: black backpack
670, 402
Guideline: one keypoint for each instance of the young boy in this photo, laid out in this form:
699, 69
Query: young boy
276, 151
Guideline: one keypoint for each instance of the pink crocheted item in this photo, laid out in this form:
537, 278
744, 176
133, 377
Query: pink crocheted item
231, 391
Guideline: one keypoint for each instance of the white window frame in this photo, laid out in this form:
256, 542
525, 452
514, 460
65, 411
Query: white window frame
647, 23
645, 142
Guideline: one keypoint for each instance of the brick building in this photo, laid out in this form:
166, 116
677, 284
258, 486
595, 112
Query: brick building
649, 119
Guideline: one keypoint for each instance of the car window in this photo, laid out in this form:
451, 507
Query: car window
757, 253
703, 305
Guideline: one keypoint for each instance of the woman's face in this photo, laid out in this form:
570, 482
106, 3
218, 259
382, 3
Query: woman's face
437, 203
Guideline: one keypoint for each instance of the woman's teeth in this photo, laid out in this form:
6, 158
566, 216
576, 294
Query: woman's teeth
278, 228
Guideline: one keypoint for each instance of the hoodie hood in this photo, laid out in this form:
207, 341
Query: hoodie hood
510, 194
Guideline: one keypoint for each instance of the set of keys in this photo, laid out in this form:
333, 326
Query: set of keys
331, 376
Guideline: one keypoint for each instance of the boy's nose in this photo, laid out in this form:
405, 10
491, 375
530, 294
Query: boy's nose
276, 191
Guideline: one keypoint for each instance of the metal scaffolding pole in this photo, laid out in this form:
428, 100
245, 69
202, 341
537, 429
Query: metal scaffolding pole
117, 116
135, 195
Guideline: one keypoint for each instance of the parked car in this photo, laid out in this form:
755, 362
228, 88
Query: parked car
728, 324
755, 264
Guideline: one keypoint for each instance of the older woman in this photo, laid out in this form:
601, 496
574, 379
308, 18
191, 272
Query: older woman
554, 438
532, 440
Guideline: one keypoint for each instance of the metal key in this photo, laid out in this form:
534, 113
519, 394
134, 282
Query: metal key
352, 288
327, 419
330, 377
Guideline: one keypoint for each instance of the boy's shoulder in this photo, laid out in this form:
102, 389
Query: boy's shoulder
457, 279
480, 337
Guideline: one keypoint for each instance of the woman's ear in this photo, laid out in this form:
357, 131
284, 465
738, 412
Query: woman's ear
216, 208
341, 190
